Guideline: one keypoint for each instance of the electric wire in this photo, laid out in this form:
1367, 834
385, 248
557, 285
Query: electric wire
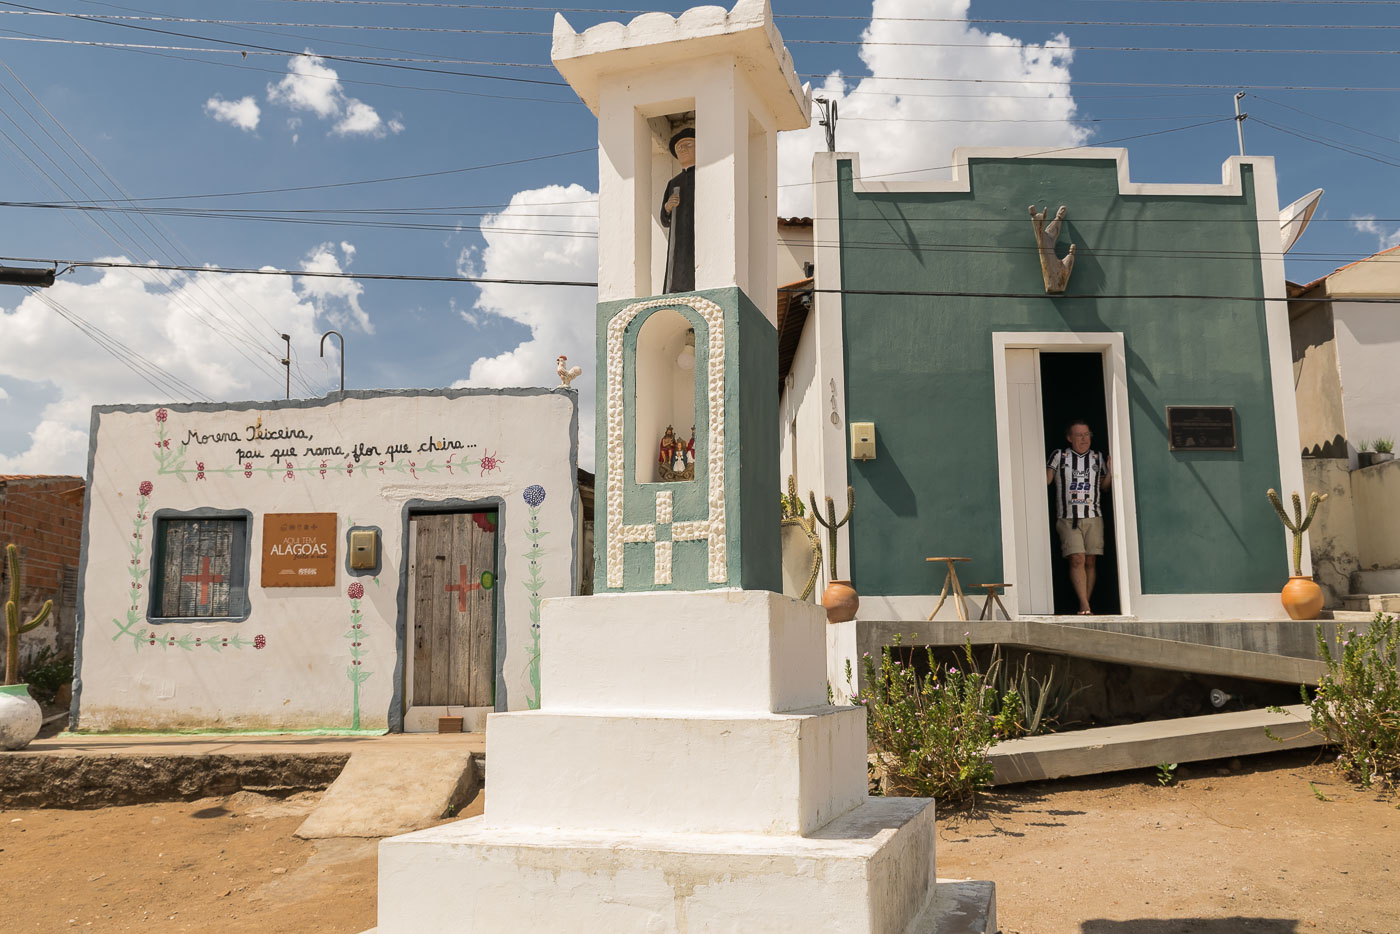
184, 302
158, 378
960, 21
910, 293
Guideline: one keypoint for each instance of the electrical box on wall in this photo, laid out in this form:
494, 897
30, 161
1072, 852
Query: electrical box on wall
863, 441
364, 549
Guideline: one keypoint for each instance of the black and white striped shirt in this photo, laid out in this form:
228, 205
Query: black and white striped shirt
1077, 478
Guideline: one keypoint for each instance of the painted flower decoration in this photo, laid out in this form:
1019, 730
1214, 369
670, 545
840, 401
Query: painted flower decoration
145, 488
534, 494
356, 590
161, 415
260, 641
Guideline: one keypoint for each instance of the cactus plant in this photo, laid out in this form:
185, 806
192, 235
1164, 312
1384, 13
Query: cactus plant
792, 516
830, 523
13, 627
1298, 524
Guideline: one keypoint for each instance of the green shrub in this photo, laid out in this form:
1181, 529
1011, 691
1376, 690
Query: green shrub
1384, 445
932, 733
1042, 703
46, 672
1357, 702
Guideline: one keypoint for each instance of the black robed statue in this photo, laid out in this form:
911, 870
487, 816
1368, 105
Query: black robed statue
678, 217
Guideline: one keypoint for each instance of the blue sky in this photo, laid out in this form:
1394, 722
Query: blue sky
180, 120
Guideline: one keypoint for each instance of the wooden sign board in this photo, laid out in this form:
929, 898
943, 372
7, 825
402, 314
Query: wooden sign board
1201, 428
299, 549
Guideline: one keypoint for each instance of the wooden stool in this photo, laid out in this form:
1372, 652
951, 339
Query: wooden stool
959, 601
992, 595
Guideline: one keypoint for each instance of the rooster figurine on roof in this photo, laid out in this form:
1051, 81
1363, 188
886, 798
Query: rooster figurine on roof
567, 374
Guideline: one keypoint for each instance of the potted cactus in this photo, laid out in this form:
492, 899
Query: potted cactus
839, 598
1301, 596
20, 717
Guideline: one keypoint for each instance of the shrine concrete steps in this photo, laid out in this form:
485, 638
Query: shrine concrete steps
1144, 745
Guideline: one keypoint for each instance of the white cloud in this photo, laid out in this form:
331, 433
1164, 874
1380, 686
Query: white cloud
312, 85
243, 113
340, 298
4, 396
1385, 239
891, 124
560, 318
183, 323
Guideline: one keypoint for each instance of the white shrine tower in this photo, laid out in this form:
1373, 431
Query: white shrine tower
685, 772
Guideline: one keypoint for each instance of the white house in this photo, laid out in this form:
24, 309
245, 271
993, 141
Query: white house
366, 561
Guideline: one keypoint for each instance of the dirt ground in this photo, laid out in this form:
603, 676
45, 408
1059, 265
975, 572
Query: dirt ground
1253, 850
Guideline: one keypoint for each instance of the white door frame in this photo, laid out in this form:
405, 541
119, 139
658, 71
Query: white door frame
1031, 514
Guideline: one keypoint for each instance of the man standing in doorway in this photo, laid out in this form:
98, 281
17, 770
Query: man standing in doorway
1079, 475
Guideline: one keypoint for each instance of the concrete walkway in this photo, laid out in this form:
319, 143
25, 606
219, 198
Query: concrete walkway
205, 744
82, 771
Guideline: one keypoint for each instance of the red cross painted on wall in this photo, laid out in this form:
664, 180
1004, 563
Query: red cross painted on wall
203, 579
462, 588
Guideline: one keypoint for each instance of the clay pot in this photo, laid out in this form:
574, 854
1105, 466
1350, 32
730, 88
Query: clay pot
841, 601
1302, 598
20, 717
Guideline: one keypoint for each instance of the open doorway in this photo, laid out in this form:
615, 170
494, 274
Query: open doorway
1072, 387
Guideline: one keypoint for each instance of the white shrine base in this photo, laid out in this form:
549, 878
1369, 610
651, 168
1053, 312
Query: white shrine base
683, 775
868, 872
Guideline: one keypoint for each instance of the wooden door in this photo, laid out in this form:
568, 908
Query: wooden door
454, 612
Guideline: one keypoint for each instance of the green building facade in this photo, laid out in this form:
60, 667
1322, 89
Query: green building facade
936, 325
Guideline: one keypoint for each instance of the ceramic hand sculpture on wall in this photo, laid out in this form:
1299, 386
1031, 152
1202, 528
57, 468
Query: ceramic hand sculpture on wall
1054, 270
678, 217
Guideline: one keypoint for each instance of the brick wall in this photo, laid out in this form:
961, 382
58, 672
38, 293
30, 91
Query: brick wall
44, 517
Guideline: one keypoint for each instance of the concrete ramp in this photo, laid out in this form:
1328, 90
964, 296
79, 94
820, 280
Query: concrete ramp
381, 793
1143, 745
1123, 648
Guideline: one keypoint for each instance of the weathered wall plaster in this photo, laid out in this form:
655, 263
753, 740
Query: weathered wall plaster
370, 458
1376, 493
1332, 537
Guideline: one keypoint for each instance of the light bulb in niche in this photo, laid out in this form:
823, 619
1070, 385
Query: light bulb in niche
686, 358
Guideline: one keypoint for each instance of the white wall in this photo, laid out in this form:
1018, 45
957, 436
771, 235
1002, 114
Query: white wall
666, 394
1368, 348
295, 675
794, 249
801, 401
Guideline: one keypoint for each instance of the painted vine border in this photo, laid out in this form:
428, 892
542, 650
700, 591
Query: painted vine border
187, 641
534, 496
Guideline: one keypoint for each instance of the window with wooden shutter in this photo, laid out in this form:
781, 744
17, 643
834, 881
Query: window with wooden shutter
201, 569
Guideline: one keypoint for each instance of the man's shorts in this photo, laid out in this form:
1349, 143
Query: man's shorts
1085, 540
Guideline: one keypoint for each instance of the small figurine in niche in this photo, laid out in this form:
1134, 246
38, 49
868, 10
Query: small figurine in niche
676, 459
678, 216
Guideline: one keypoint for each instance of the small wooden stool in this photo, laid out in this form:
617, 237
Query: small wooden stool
959, 601
987, 603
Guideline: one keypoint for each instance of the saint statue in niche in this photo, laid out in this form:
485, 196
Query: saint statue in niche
678, 217
676, 460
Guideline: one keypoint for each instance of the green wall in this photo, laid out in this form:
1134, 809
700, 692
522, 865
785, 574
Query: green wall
751, 443
920, 367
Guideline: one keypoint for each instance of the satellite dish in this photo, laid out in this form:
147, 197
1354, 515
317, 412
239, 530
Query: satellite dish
1293, 220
